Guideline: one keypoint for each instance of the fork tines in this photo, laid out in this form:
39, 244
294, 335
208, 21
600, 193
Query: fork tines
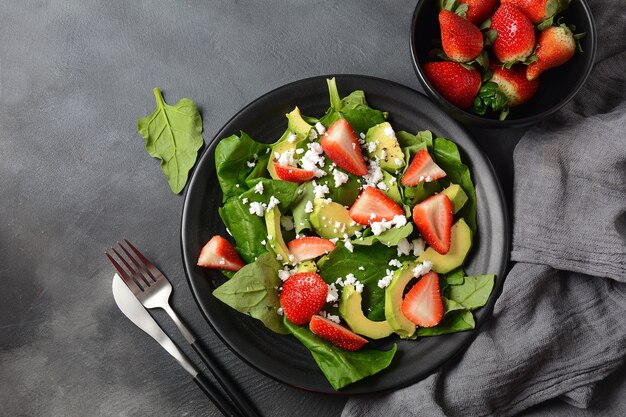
143, 275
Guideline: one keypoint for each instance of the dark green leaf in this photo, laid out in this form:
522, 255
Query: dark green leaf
485, 25
491, 36
474, 292
389, 237
457, 321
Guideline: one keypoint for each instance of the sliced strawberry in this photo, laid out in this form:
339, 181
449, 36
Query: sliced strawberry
303, 295
292, 174
309, 247
422, 169
462, 41
422, 304
374, 206
433, 218
218, 253
342, 147
336, 333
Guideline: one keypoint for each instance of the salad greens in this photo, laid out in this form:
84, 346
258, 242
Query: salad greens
246, 171
173, 134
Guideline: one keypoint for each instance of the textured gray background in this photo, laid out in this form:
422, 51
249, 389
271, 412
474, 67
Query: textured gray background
75, 177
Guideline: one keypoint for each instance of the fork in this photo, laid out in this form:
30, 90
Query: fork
153, 290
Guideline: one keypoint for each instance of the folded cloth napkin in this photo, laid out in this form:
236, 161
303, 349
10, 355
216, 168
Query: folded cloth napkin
559, 327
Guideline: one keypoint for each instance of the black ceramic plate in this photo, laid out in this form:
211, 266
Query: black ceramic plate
283, 357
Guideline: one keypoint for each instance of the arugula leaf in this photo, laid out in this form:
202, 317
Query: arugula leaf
457, 321
474, 292
374, 259
389, 237
173, 134
342, 367
232, 156
253, 290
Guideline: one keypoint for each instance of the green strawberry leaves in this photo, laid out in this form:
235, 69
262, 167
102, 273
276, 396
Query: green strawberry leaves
173, 134
490, 98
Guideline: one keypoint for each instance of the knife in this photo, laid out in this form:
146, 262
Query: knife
135, 311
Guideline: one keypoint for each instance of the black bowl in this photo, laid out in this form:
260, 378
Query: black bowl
557, 86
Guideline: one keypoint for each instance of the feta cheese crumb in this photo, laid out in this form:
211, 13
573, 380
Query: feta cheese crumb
350, 279
382, 186
348, 245
378, 228
371, 146
257, 208
333, 318
320, 128
280, 311
361, 268
263, 242
308, 207
258, 188
340, 178
313, 159
362, 135
251, 164
374, 173
418, 246
291, 138
286, 158
320, 190
358, 287
244, 200
313, 134
404, 247
386, 280
399, 220
332, 295
428, 178
396, 263
279, 257
422, 269
273, 203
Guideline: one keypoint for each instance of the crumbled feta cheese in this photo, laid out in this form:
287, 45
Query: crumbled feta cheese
348, 245
362, 135
292, 258
280, 311
320, 128
320, 190
340, 178
404, 247
428, 178
339, 281
299, 151
258, 188
244, 200
361, 268
257, 208
358, 287
308, 207
383, 154
313, 134
374, 173
268, 150
291, 138
371, 146
382, 186
422, 269
399, 220
397, 161
263, 242
396, 263
334, 240
378, 228
421, 178
350, 279
221, 262
332, 295
333, 318
269, 237
251, 164
287, 222
386, 280
418, 246
313, 159
237, 185
279, 257
389, 131
273, 203
286, 158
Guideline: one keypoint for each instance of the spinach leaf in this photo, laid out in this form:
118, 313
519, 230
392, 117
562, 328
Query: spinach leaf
173, 134
373, 259
253, 290
420, 140
456, 321
474, 292
233, 157
454, 277
342, 367
446, 155
304, 194
389, 237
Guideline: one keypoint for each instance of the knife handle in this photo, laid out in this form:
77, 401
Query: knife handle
220, 401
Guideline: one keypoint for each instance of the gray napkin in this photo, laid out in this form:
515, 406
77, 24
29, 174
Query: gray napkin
559, 326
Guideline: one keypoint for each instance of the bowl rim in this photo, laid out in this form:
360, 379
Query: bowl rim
485, 121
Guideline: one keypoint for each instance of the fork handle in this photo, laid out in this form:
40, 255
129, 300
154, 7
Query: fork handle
221, 402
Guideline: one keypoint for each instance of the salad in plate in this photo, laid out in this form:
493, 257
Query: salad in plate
347, 231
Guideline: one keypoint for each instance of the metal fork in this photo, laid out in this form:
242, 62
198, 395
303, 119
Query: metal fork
153, 290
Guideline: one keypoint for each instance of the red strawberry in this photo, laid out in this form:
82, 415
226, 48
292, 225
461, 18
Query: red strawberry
516, 35
479, 10
514, 84
336, 333
422, 304
292, 174
373, 206
461, 40
536, 10
433, 218
309, 247
218, 253
303, 295
557, 45
457, 84
342, 147
422, 169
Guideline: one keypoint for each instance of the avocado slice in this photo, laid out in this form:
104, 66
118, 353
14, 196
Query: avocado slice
275, 236
351, 311
388, 151
297, 124
404, 327
460, 245
456, 195
331, 220
307, 266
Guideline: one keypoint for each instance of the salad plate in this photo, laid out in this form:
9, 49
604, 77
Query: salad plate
283, 357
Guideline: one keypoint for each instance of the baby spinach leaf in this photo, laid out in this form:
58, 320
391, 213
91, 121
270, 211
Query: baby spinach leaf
173, 134
389, 237
234, 159
342, 367
454, 277
456, 321
301, 218
474, 292
253, 290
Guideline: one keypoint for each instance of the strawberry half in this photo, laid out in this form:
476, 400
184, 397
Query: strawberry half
342, 147
454, 82
218, 253
336, 333
478, 10
512, 82
309, 247
303, 295
374, 206
515, 40
557, 45
292, 174
422, 169
422, 304
433, 218
462, 41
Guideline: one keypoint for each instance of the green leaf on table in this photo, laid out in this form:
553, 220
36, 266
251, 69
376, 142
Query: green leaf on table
173, 134
253, 290
473, 293
342, 367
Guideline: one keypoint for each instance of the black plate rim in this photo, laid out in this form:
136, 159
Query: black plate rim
487, 309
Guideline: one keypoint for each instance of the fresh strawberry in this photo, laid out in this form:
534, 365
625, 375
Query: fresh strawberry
422, 169
303, 295
374, 206
457, 84
218, 253
478, 10
515, 40
514, 84
462, 41
536, 10
433, 218
336, 333
342, 147
557, 45
422, 304
292, 174
309, 247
